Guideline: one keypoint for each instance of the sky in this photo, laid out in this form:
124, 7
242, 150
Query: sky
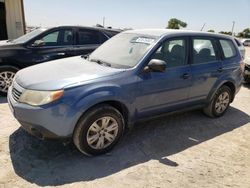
137, 14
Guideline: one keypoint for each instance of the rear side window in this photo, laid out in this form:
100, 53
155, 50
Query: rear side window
67, 37
228, 48
88, 37
203, 51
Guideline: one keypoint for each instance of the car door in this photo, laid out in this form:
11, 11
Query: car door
87, 41
164, 91
52, 45
206, 67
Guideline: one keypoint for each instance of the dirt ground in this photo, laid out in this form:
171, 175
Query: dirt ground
181, 150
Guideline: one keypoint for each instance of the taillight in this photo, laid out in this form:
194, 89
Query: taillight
242, 66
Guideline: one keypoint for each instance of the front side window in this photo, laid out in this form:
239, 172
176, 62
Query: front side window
88, 37
203, 51
173, 52
51, 39
228, 48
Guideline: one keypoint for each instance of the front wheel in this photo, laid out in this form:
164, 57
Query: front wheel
98, 130
220, 102
7, 74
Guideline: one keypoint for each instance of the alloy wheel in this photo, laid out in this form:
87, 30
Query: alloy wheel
222, 102
6, 79
102, 132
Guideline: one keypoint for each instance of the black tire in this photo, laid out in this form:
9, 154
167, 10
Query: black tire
210, 110
6, 69
83, 125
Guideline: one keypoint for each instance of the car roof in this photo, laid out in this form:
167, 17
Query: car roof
177, 32
87, 27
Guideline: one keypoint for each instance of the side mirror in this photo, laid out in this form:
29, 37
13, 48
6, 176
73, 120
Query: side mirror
38, 43
156, 65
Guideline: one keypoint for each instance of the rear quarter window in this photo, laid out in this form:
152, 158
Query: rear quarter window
228, 48
238, 42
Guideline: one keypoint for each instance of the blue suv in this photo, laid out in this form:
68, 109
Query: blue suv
135, 75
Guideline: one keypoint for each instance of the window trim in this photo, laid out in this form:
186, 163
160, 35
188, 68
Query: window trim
214, 44
222, 52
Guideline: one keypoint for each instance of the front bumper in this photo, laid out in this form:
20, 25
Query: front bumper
47, 122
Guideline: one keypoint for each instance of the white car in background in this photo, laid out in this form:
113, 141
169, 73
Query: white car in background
246, 42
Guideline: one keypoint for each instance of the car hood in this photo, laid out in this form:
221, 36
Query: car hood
2, 42
58, 74
8, 46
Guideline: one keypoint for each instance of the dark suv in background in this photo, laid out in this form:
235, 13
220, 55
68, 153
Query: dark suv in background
44, 45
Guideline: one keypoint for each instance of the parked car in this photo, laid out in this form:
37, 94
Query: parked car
133, 76
246, 42
44, 45
241, 47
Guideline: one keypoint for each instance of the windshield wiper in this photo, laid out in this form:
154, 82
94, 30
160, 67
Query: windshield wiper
100, 62
86, 56
10, 40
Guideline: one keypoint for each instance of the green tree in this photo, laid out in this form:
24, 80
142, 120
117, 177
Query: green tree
226, 32
174, 23
245, 33
211, 31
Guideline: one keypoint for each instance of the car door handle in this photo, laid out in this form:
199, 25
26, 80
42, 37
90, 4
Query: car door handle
61, 54
220, 69
185, 76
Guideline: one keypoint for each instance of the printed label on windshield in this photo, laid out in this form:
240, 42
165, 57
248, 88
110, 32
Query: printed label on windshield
144, 40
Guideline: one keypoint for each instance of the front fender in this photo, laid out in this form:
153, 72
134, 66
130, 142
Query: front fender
90, 97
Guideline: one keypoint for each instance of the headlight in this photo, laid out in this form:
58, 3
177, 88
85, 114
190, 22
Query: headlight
37, 98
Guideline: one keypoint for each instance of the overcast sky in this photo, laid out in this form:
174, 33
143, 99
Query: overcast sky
217, 14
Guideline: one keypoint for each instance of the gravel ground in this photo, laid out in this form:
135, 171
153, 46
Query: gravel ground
181, 150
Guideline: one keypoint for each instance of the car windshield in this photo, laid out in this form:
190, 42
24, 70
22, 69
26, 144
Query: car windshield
28, 36
124, 50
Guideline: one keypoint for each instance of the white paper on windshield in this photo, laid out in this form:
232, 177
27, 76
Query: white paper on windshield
145, 40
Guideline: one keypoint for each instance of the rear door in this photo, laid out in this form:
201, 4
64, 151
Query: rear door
52, 45
88, 40
206, 66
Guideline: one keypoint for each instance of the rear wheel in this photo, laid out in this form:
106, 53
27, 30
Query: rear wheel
7, 74
220, 102
98, 130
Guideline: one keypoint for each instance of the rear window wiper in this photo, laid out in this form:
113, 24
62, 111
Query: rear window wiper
100, 62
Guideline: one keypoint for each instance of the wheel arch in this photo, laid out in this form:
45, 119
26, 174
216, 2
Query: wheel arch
12, 65
228, 83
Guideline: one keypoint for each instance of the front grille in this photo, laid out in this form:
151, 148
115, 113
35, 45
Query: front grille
16, 94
